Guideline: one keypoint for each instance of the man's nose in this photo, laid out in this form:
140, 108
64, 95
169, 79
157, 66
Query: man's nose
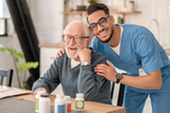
72, 41
99, 27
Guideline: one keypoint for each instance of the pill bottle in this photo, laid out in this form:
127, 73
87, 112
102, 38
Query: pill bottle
131, 5
37, 100
44, 104
79, 102
59, 105
68, 103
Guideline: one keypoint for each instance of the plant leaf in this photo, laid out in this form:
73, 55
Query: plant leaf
28, 65
13, 53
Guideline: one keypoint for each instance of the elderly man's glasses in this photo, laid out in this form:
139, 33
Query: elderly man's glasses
102, 22
76, 38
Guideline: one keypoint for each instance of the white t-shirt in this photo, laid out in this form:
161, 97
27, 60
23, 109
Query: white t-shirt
117, 48
74, 63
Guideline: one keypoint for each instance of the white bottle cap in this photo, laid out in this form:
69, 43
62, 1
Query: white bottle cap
67, 98
80, 95
40, 92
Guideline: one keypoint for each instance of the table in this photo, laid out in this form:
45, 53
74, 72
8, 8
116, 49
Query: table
90, 107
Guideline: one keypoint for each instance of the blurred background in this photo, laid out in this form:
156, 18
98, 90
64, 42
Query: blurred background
38, 24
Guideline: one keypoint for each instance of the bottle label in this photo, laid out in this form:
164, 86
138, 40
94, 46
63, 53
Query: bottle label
36, 104
69, 108
79, 105
61, 109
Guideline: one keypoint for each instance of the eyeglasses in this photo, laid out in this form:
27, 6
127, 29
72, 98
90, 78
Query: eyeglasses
76, 38
102, 22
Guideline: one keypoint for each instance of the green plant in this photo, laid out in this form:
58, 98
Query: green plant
92, 1
23, 66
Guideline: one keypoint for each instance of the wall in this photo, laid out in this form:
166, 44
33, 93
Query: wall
47, 19
154, 9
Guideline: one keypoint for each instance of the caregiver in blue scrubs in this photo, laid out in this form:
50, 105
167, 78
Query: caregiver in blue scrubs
131, 48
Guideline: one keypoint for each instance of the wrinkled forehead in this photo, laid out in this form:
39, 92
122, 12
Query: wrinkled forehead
76, 28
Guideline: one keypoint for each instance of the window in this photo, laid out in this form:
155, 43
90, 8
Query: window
3, 27
4, 15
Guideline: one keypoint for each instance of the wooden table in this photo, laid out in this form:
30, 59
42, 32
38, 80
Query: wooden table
90, 107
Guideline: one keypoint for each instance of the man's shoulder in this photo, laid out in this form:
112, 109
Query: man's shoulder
97, 56
95, 39
95, 53
97, 44
133, 27
61, 59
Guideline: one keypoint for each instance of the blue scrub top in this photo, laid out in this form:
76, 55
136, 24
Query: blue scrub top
138, 49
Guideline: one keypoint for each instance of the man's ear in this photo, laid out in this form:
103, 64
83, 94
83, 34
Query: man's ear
112, 19
89, 41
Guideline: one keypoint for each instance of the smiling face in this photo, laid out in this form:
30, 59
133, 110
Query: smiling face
104, 33
72, 47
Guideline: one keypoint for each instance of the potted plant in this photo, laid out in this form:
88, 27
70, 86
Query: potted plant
23, 67
92, 1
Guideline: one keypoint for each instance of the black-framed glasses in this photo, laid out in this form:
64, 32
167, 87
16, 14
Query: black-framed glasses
102, 22
76, 38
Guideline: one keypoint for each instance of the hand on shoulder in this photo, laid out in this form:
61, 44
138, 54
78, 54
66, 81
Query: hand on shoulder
60, 53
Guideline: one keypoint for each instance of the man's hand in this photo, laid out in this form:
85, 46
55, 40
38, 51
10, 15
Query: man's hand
107, 71
40, 89
85, 55
60, 53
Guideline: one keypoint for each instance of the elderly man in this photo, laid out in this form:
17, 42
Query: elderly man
75, 69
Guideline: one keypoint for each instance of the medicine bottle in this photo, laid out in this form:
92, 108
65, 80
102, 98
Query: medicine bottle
131, 5
79, 102
59, 105
37, 100
68, 103
44, 104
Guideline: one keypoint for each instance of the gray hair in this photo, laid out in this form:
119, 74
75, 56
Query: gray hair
85, 27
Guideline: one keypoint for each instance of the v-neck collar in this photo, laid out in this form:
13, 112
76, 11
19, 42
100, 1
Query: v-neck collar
69, 66
117, 48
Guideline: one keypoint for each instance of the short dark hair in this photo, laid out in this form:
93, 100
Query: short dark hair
97, 6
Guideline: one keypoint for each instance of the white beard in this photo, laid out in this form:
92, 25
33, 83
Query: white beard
78, 49
72, 56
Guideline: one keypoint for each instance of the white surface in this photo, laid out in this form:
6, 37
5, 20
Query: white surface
48, 20
47, 56
4, 12
7, 92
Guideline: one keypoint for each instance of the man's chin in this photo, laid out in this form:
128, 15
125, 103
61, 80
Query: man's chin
73, 56
106, 40
109, 38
